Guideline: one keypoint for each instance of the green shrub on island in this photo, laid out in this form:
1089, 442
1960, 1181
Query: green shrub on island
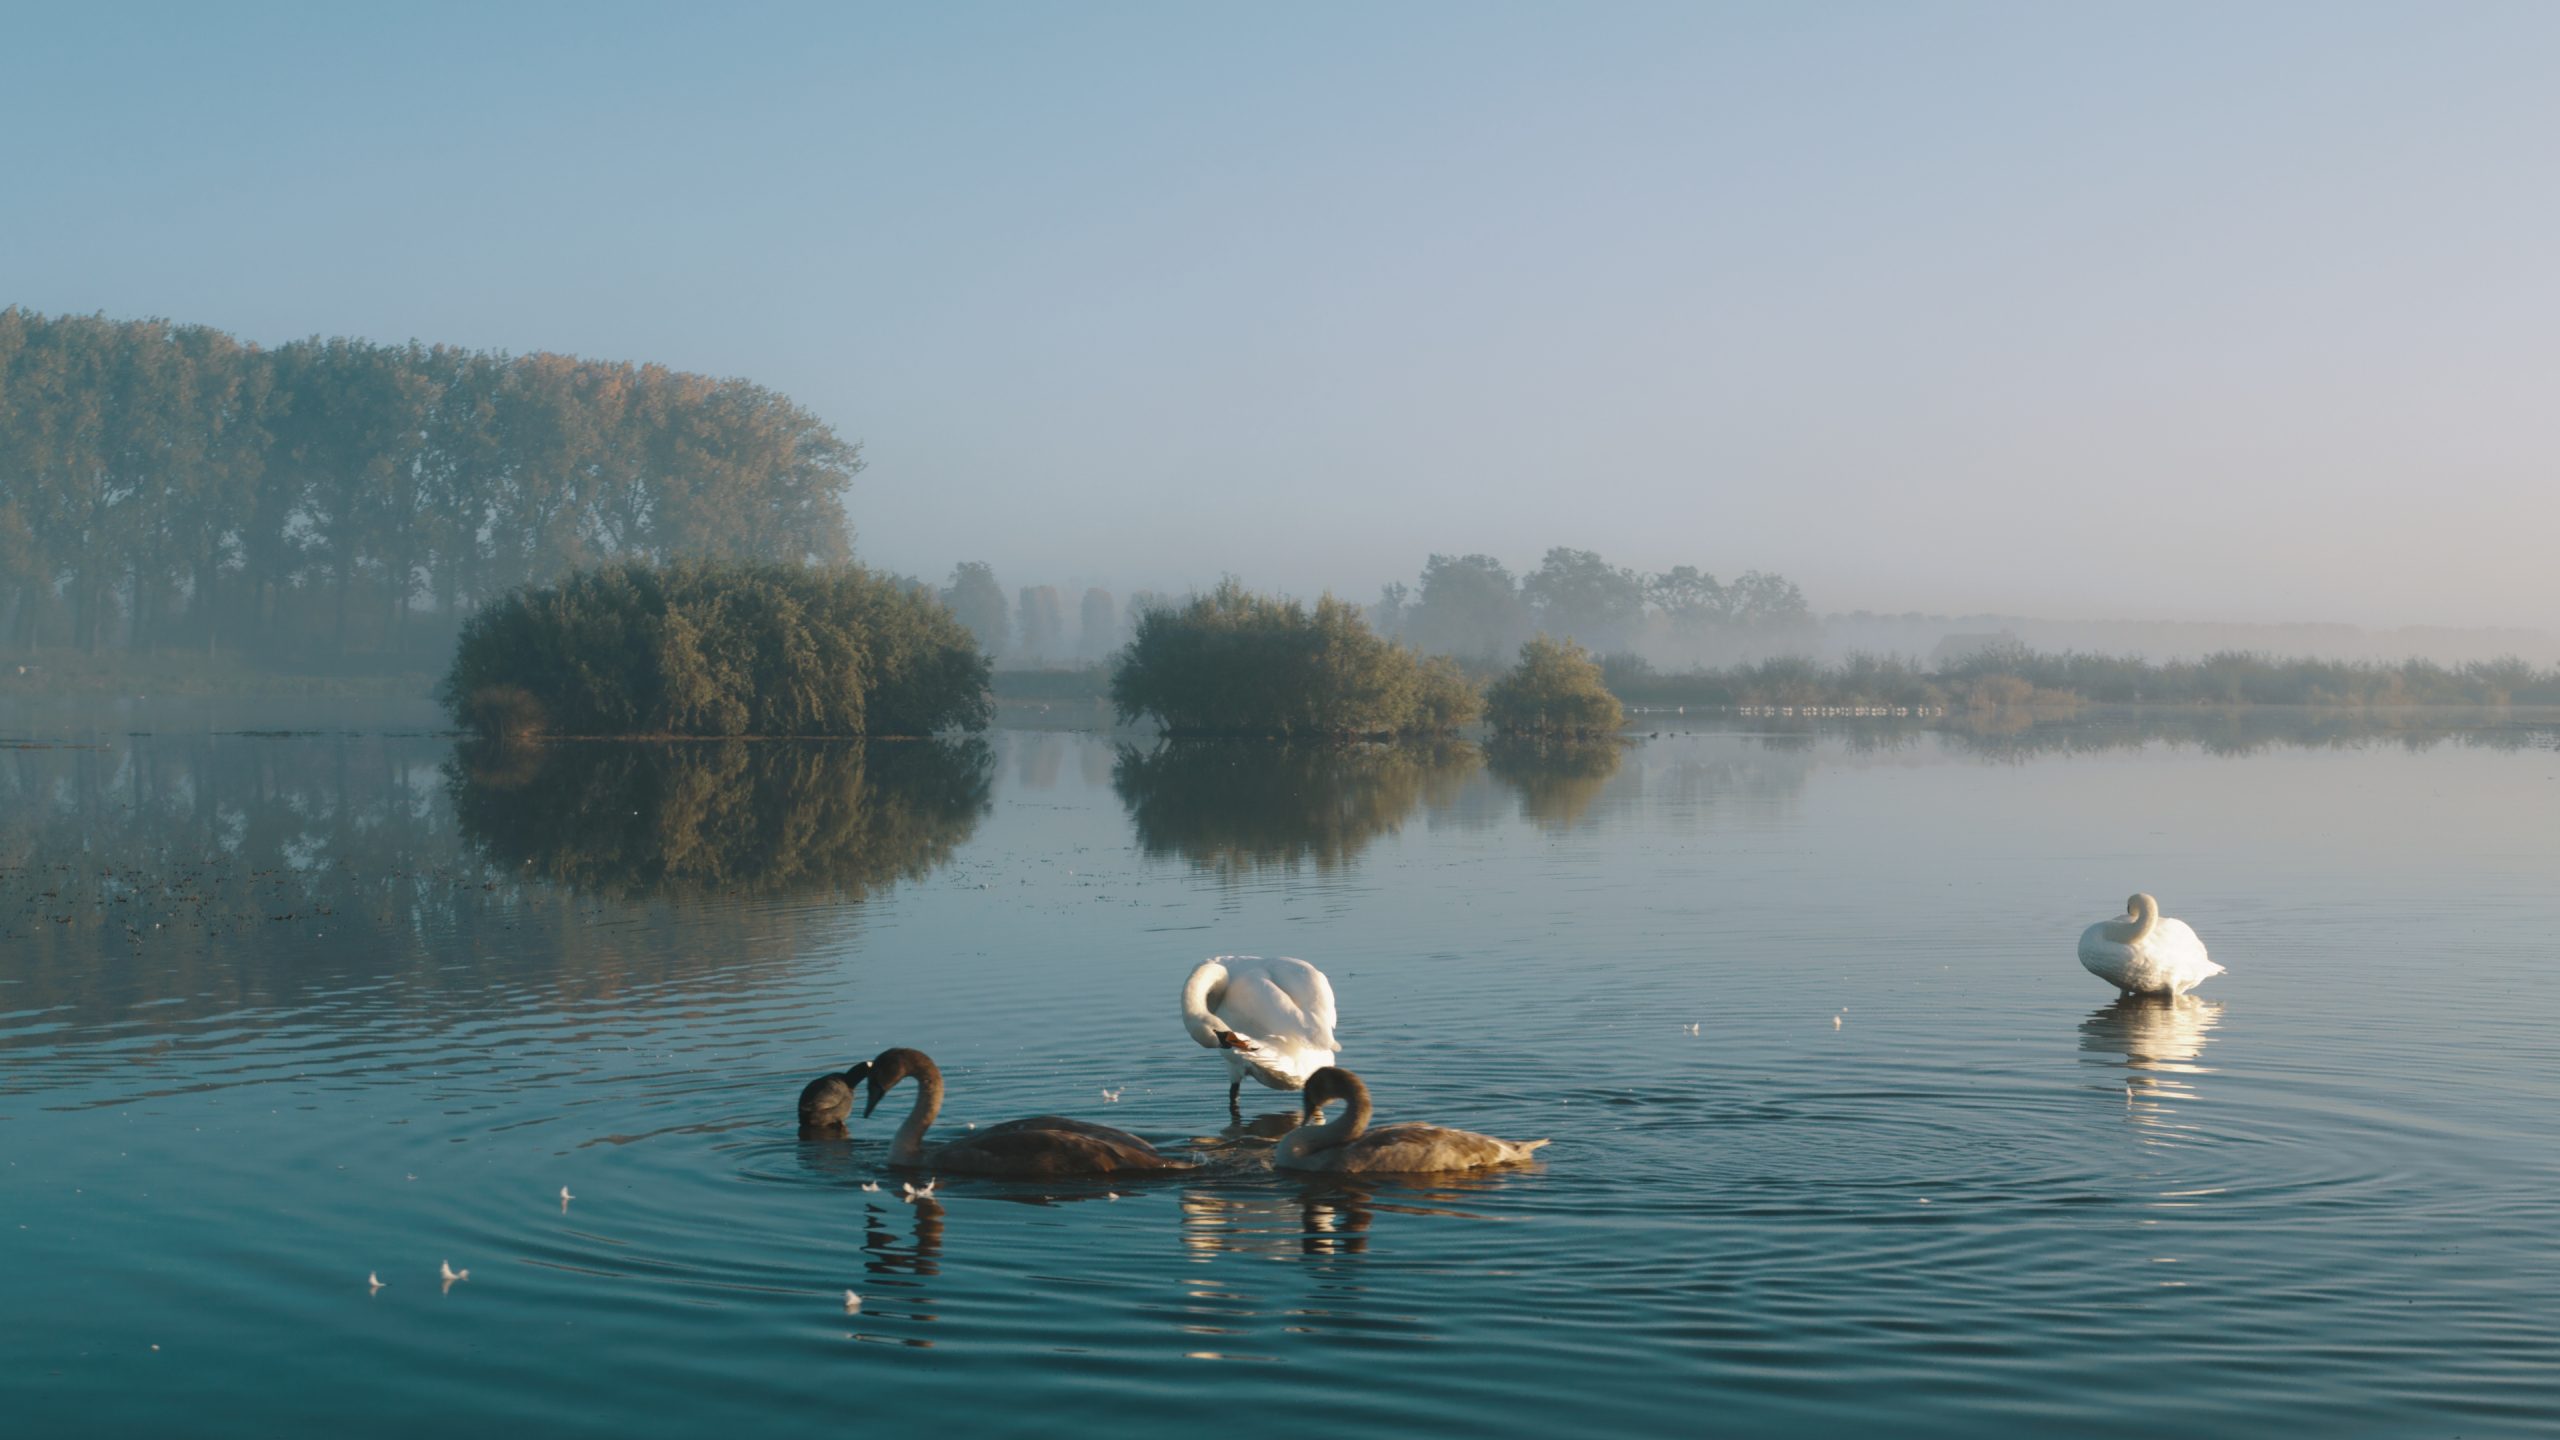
708, 648
1235, 663
1556, 689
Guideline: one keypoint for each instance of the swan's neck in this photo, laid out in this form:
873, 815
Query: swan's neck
2142, 916
2146, 918
908, 1144
1198, 994
1340, 1130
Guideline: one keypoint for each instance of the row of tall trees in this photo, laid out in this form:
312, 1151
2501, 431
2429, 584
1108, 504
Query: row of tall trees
1469, 606
166, 485
1034, 629
1472, 606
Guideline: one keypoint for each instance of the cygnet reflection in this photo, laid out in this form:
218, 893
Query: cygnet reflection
1322, 1215
918, 1252
1327, 1219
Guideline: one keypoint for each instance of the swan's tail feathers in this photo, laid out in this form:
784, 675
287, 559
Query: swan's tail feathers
1528, 1145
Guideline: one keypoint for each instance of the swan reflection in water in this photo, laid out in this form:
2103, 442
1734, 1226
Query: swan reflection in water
897, 1263
1259, 1133
901, 1239
2160, 1038
1322, 1216
887, 1253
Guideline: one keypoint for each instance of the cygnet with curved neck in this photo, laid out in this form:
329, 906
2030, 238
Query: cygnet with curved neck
827, 1102
1041, 1146
1346, 1145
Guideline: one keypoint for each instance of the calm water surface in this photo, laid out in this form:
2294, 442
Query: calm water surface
279, 1010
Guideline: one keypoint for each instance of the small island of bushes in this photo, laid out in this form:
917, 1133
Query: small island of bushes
701, 648
1556, 690
1235, 663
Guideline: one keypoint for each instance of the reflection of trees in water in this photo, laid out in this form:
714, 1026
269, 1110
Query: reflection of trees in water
1241, 805
1037, 757
200, 876
1557, 780
159, 882
735, 817
1244, 805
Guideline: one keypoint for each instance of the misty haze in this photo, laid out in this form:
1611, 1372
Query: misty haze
1083, 719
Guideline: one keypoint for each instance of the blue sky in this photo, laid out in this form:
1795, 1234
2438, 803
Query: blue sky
2175, 311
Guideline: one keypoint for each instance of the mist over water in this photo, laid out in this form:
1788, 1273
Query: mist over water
285, 1010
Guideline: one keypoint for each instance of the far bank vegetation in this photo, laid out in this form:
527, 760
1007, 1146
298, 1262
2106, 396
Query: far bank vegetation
1232, 662
2012, 677
717, 649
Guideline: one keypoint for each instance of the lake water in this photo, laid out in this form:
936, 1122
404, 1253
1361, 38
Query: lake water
282, 1010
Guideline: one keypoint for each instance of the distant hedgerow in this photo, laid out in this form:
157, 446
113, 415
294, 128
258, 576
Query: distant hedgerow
716, 648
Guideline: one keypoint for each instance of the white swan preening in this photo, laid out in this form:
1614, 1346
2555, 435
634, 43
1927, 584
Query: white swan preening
1346, 1145
1042, 1145
1273, 1019
2140, 953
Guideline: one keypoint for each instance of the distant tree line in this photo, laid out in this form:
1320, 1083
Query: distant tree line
166, 485
1468, 606
1032, 629
1473, 607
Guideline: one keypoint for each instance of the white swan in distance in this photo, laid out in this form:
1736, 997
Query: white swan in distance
1273, 1019
1347, 1146
2140, 953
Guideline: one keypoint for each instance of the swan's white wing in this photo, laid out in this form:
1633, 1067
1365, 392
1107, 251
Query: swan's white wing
1307, 985
2177, 942
2095, 947
1287, 1003
2107, 959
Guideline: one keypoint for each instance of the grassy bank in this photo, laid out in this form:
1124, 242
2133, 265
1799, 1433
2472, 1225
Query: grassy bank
2013, 677
48, 673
